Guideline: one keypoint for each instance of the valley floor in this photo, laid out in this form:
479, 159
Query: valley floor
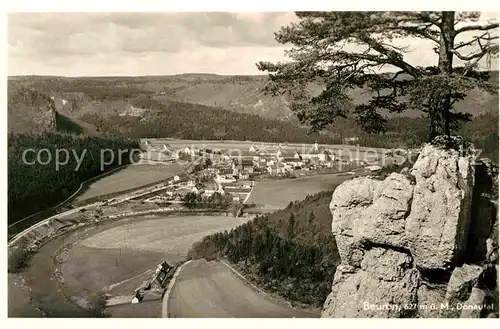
211, 290
115, 257
133, 176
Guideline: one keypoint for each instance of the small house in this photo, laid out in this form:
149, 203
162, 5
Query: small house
276, 169
224, 178
247, 165
293, 162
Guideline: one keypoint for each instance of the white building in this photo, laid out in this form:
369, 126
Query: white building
320, 154
224, 179
276, 169
292, 162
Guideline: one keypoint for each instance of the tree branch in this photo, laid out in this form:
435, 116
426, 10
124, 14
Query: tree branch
393, 57
476, 28
476, 39
468, 58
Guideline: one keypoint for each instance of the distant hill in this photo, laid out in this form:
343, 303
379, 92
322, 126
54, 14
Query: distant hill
242, 94
150, 118
206, 106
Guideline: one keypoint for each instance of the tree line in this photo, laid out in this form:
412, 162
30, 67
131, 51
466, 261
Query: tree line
198, 122
35, 183
216, 201
290, 252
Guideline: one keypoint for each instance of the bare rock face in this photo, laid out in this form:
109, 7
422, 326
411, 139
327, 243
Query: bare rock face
347, 207
384, 282
31, 111
461, 282
440, 213
472, 307
383, 222
408, 243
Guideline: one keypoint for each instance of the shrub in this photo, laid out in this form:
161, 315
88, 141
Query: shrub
97, 306
19, 257
202, 249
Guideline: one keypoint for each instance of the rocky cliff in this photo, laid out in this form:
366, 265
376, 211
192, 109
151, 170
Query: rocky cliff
420, 243
30, 111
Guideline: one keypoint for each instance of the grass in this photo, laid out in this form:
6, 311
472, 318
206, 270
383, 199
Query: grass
171, 236
111, 253
277, 194
128, 178
125, 249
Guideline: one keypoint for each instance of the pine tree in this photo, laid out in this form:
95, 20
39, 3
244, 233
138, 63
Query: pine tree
345, 50
290, 231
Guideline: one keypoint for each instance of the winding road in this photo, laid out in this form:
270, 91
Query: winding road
212, 290
201, 288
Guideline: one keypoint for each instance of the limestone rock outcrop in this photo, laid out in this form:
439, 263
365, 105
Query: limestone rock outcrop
420, 243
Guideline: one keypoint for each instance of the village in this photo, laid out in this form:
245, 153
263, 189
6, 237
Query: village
229, 175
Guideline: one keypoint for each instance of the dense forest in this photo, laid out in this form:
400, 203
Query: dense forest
405, 132
37, 186
192, 121
96, 104
198, 122
290, 252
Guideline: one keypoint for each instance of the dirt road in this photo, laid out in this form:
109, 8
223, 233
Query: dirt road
211, 290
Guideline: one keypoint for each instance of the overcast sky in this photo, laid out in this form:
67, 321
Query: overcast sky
99, 44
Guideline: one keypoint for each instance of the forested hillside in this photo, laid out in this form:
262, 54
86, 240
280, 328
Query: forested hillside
191, 121
242, 94
40, 185
144, 107
290, 252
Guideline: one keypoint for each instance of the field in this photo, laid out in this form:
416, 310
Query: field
277, 194
171, 236
211, 290
117, 257
132, 176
